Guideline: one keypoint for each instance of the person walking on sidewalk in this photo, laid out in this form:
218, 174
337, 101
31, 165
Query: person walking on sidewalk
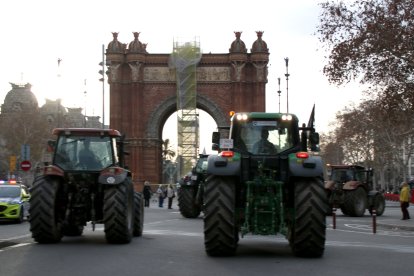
147, 193
161, 195
405, 200
170, 195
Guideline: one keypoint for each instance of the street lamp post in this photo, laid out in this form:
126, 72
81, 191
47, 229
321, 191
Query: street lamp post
287, 84
278, 91
102, 72
86, 100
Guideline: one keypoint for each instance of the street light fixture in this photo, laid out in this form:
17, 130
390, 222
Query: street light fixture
278, 91
102, 72
287, 84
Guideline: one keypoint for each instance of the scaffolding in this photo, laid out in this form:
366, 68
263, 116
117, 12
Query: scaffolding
184, 60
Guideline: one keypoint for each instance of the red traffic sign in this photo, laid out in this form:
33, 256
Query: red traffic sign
25, 165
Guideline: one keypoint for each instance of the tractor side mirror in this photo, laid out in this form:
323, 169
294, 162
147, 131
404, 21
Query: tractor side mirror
51, 145
314, 141
215, 139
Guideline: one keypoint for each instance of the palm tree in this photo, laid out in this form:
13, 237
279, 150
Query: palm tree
167, 152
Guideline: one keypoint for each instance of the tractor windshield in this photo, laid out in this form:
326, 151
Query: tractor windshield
341, 175
264, 137
84, 153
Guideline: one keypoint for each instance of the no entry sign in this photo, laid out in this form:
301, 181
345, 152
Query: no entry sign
25, 165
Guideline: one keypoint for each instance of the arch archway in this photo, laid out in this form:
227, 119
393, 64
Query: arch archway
143, 94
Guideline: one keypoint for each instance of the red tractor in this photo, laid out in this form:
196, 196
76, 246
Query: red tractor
87, 181
350, 188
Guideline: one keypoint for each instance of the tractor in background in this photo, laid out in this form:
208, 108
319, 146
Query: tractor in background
351, 188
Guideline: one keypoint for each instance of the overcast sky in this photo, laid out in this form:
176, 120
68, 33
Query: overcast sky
36, 33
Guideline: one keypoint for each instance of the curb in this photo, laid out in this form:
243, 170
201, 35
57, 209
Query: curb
395, 227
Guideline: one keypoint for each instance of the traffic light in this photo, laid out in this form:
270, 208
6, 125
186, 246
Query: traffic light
102, 71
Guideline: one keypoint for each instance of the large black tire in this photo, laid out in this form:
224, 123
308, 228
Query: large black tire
46, 210
139, 214
308, 230
220, 226
355, 202
118, 212
187, 202
379, 204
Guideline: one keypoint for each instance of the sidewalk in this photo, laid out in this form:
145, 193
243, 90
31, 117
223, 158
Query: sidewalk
391, 219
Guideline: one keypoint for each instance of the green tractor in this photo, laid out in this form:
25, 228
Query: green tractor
190, 193
267, 179
86, 181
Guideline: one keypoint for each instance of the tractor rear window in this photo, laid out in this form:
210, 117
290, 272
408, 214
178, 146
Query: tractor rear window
84, 153
263, 137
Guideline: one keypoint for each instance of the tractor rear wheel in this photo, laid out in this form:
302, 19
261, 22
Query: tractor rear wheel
139, 214
307, 231
220, 226
379, 204
355, 202
45, 212
187, 202
118, 212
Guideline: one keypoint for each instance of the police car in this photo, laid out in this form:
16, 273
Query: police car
14, 201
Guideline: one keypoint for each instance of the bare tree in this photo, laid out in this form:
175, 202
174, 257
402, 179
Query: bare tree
331, 149
23, 128
370, 40
355, 136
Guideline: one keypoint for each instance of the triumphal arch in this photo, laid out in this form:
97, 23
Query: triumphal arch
143, 93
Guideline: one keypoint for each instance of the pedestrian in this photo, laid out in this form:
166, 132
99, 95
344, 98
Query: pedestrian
404, 200
170, 195
147, 193
161, 196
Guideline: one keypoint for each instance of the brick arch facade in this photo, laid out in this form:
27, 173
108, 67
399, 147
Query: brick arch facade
143, 95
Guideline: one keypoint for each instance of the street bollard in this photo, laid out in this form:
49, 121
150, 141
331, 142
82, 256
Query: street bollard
334, 217
374, 221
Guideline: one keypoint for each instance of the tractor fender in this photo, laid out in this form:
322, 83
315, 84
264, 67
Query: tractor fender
52, 170
113, 176
218, 165
309, 167
329, 185
351, 185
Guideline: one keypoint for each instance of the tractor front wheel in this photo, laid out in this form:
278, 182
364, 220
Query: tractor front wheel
187, 202
139, 214
379, 205
119, 212
355, 202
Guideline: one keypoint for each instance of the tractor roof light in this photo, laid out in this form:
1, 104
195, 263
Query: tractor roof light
241, 116
287, 117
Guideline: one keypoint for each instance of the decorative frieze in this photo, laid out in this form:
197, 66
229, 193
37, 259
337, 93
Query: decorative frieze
204, 74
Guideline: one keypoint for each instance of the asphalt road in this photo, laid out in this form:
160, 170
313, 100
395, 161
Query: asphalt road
173, 245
